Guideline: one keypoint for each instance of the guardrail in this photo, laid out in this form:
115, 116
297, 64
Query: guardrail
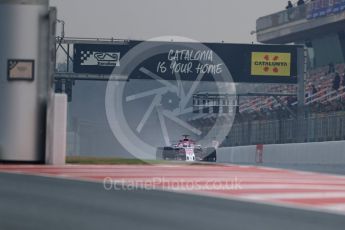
312, 129
282, 17
317, 153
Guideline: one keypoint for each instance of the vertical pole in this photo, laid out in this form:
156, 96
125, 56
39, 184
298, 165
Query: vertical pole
300, 91
68, 53
52, 47
238, 105
300, 80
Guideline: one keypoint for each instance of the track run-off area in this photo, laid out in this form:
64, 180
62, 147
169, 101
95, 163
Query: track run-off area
263, 185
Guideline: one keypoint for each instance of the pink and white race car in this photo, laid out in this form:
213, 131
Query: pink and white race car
187, 150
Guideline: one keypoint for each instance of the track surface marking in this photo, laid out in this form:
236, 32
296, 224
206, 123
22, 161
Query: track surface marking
316, 191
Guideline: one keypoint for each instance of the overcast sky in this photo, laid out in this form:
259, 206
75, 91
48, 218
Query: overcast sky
203, 20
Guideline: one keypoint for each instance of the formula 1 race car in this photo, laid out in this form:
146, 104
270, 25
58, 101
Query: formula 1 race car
187, 150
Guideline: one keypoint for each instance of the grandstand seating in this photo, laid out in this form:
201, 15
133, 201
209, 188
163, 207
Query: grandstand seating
264, 109
325, 95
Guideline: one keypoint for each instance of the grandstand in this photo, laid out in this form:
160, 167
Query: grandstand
324, 94
319, 26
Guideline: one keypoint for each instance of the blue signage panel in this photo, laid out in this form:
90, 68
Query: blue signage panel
321, 8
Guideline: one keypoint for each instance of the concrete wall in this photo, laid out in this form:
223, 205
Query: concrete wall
303, 153
24, 77
56, 130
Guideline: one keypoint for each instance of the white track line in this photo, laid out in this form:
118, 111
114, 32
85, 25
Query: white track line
335, 207
306, 195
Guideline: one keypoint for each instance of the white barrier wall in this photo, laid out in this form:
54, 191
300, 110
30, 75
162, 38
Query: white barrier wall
56, 129
301, 153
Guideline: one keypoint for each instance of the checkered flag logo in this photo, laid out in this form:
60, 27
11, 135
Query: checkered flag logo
85, 55
90, 58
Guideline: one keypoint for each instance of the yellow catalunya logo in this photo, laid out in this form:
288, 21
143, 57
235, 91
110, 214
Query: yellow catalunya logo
271, 64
